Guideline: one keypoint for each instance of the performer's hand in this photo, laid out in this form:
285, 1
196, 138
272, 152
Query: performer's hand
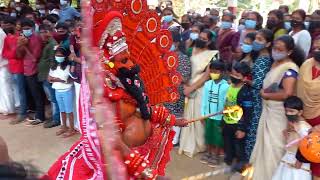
181, 123
298, 164
240, 134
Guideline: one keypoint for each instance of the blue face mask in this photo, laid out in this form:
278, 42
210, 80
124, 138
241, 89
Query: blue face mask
168, 18
277, 56
173, 47
307, 24
241, 27
59, 59
226, 25
287, 25
246, 48
256, 46
194, 36
250, 24
27, 32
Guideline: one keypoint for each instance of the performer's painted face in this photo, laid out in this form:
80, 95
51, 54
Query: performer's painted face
123, 60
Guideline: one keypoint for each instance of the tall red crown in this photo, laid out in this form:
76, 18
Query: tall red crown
147, 43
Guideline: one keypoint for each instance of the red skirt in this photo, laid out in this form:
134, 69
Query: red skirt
315, 167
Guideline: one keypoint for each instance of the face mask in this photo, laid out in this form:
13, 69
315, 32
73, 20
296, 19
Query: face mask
296, 24
241, 27
316, 56
250, 24
63, 2
234, 80
214, 76
18, 9
287, 25
13, 14
168, 18
271, 24
173, 47
292, 118
42, 11
200, 43
185, 26
27, 33
194, 36
246, 48
278, 56
226, 25
256, 46
307, 24
38, 6
59, 59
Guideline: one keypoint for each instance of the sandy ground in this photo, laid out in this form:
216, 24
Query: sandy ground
41, 147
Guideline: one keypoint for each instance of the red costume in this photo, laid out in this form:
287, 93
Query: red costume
138, 74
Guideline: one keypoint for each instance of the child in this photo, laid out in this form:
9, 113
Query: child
213, 99
297, 128
59, 77
234, 131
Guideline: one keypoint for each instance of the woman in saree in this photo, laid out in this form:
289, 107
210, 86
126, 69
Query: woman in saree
279, 84
192, 137
308, 90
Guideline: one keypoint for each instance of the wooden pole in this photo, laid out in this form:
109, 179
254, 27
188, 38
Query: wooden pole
204, 117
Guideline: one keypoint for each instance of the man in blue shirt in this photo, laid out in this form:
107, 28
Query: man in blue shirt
67, 12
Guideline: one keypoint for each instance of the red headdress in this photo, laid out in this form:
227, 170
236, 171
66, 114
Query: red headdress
148, 44
108, 36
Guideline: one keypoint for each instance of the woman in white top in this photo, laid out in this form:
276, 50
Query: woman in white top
301, 36
59, 77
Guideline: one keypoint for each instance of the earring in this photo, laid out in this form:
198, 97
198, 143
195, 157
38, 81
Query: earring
111, 64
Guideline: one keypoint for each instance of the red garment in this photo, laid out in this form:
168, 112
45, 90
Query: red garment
9, 52
315, 167
315, 72
31, 58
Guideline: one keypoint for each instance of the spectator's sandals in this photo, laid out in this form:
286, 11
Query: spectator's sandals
34, 122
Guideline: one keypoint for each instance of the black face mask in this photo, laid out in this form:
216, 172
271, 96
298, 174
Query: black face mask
200, 43
296, 24
316, 56
292, 118
185, 26
234, 80
271, 24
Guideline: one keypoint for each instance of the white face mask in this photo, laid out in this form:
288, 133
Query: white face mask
18, 9
42, 11
63, 2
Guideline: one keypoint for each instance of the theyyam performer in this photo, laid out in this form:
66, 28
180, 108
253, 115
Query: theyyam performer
128, 73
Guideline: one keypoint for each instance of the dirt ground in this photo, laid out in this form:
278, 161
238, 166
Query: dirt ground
42, 147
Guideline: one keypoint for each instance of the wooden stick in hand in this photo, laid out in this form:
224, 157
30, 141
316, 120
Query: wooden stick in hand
204, 117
